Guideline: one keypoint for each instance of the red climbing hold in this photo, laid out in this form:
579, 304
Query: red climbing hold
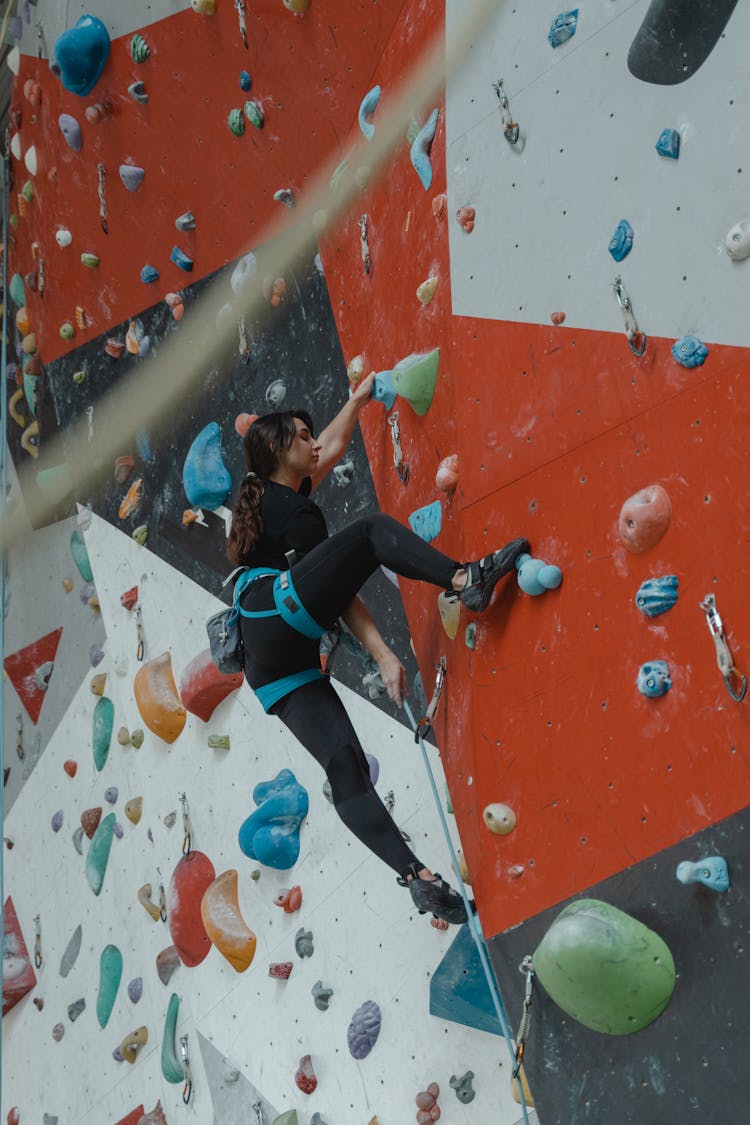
70, 767
18, 972
133, 1118
305, 1076
192, 876
90, 820
29, 671
129, 598
281, 970
14, 1115
289, 900
203, 686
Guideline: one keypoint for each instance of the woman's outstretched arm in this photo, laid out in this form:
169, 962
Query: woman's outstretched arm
337, 434
358, 619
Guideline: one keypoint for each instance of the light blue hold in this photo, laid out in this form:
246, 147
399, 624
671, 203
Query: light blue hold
81, 556
654, 679
205, 477
270, 835
669, 144
81, 53
657, 595
690, 351
367, 107
17, 290
420, 150
149, 274
563, 28
181, 260
29, 390
382, 389
535, 577
712, 873
143, 445
621, 242
246, 82
426, 522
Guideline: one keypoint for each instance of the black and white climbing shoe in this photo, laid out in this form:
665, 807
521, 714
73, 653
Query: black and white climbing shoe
487, 572
436, 896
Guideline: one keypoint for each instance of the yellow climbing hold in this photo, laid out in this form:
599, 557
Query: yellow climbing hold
427, 289
500, 819
132, 1043
450, 612
133, 809
224, 924
98, 683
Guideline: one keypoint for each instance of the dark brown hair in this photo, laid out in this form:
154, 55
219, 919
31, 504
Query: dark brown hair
266, 438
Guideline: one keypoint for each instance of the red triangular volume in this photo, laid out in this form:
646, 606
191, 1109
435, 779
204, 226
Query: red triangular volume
18, 972
29, 671
133, 1118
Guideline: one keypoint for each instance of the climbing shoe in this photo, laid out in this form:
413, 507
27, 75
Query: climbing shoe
487, 572
434, 895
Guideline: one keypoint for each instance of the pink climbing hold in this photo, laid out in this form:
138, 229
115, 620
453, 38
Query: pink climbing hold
203, 686
428, 1109
18, 972
281, 970
14, 1116
155, 1117
289, 900
305, 1076
243, 422
446, 477
190, 880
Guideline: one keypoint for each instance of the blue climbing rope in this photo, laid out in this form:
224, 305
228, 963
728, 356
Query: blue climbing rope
473, 919
3, 490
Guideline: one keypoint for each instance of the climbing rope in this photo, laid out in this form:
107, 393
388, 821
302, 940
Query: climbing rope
473, 919
3, 493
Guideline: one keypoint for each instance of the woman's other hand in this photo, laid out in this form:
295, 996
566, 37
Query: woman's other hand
393, 674
363, 390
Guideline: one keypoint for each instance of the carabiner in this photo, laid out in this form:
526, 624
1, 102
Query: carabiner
398, 456
187, 1088
424, 725
187, 827
527, 968
162, 898
731, 674
38, 942
510, 127
636, 338
140, 650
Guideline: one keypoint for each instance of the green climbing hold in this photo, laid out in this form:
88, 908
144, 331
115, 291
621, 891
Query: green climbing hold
139, 49
17, 291
140, 534
110, 975
136, 738
604, 968
288, 1118
104, 721
471, 635
218, 741
81, 556
236, 122
414, 378
98, 853
171, 1067
67, 331
254, 114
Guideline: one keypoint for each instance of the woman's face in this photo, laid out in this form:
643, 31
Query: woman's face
301, 458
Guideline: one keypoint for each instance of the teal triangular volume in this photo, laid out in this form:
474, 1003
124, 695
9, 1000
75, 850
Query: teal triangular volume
459, 989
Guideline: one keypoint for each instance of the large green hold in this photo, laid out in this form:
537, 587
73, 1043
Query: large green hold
81, 556
171, 1067
604, 968
98, 853
414, 378
104, 720
110, 975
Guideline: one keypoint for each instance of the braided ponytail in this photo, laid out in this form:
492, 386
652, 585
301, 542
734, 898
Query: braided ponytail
247, 526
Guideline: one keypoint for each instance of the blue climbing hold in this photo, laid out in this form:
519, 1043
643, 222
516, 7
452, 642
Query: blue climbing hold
563, 27
143, 445
246, 82
180, 258
654, 679
17, 290
81, 53
690, 351
657, 595
270, 835
204, 475
382, 389
420, 150
459, 989
668, 143
536, 576
149, 274
81, 556
367, 107
712, 873
425, 522
621, 242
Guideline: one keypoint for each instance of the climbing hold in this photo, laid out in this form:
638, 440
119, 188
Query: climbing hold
427, 1108
275, 394
465, 217
414, 378
171, 1067
449, 609
157, 698
518, 1087
203, 686
204, 7
90, 819
737, 241
305, 1075
273, 290
218, 742
67, 331
131, 176
446, 477
132, 499
271, 834
186, 221
281, 970
166, 963
246, 82
420, 150
17, 291
364, 1029
70, 767
98, 112
535, 576
236, 122
149, 274
136, 738
130, 598
557, 317
151, 908
500, 819
563, 28
57, 820
254, 114
668, 143
427, 290
657, 595
134, 809
367, 107
321, 994
96, 655
689, 351
285, 196
654, 679
712, 872
58, 1031
71, 131
297, 5
155, 1117
132, 1043
114, 347
224, 924
621, 242
98, 853
243, 422
303, 943
181, 259
104, 716
204, 476
644, 518
139, 49
14, 1116
78, 840
80, 53
191, 878
135, 989
72, 950
110, 975
111, 794
244, 272
425, 522
290, 901
605, 968
74, 1011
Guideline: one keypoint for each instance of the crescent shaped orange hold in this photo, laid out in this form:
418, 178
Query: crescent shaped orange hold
158, 699
225, 926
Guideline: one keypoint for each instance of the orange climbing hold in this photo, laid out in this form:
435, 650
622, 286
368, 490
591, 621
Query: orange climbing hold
129, 598
132, 499
203, 686
224, 924
158, 700
439, 204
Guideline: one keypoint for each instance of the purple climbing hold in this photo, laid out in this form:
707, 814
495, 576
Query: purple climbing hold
135, 989
110, 795
131, 176
96, 655
88, 590
364, 1029
374, 765
57, 820
71, 130
117, 1055
118, 830
58, 1031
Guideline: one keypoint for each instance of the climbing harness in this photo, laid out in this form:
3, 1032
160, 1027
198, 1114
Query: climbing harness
510, 127
527, 968
139, 632
398, 456
187, 1088
187, 827
636, 338
473, 923
38, 942
734, 679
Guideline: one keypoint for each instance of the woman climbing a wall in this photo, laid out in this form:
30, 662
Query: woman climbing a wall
285, 611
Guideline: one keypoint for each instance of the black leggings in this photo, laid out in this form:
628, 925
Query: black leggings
327, 581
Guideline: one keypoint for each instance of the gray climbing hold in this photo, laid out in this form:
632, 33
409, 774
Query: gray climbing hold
111, 794
57, 820
316, 1119
72, 950
78, 840
185, 221
71, 130
131, 176
75, 1009
464, 1090
135, 989
303, 943
138, 91
321, 994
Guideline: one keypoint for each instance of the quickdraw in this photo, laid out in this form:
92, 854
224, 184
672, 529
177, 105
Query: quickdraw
398, 455
187, 839
636, 338
187, 1088
734, 679
510, 127
141, 646
424, 726
38, 942
527, 968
